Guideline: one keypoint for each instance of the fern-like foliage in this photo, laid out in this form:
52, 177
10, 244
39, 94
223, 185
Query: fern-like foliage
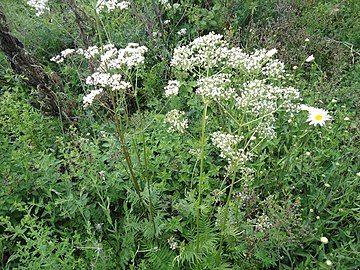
192, 254
161, 258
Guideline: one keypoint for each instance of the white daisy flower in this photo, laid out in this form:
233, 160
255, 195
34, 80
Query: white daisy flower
318, 116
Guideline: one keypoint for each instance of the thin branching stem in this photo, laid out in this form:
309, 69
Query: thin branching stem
121, 134
146, 169
202, 157
224, 221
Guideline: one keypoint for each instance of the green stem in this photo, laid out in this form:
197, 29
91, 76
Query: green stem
146, 169
224, 221
202, 156
126, 153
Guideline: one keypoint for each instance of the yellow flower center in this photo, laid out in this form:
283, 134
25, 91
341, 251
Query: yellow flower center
318, 117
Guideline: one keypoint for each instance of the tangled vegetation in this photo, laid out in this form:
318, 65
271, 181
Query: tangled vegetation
164, 134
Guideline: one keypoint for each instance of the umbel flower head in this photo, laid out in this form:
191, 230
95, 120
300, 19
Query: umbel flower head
177, 121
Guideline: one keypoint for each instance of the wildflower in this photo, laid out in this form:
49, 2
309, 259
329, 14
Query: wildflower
172, 88
106, 80
88, 99
205, 52
307, 40
67, 52
176, 120
39, 5
172, 242
227, 143
328, 263
111, 5
263, 100
317, 116
327, 185
324, 240
274, 69
358, 174
271, 53
215, 87
308, 153
295, 67
90, 52
57, 59
263, 223
346, 119
132, 55
182, 31
310, 58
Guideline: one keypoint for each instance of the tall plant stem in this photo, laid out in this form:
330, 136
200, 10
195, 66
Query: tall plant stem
202, 156
126, 153
146, 170
224, 221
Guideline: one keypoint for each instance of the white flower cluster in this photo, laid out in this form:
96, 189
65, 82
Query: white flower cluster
89, 53
182, 32
260, 98
274, 69
204, 52
227, 143
111, 5
111, 60
88, 99
263, 223
110, 56
258, 62
172, 242
172, 88
211, 51
254, 62
176, 120
131, 56
105, 80
39, 5
266, 128
168, 5
63, 54
215, 87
